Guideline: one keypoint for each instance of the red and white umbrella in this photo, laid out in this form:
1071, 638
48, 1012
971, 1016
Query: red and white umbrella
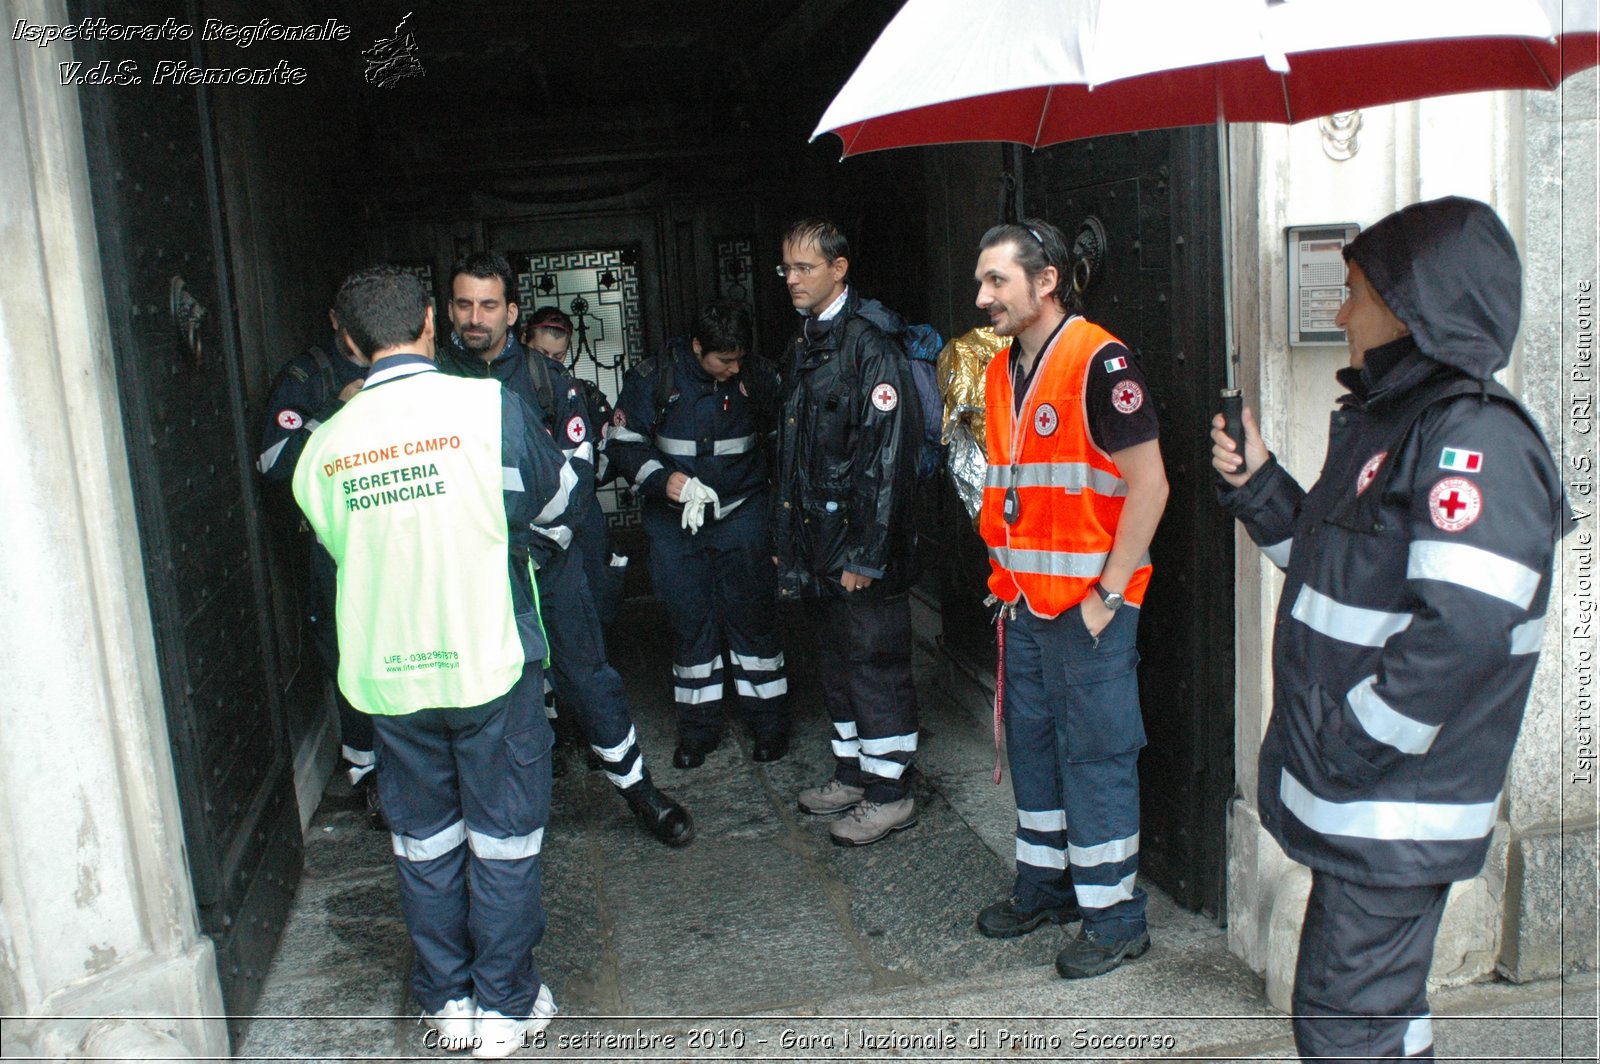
1040, 72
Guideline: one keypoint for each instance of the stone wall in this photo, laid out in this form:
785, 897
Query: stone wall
99, 917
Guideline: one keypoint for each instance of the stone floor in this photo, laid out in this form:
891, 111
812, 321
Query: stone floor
761, 940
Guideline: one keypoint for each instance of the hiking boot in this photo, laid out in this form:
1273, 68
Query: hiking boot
660, 815
456, 1023
831, 797
500, 1036
1090, 954
870, 821
1006, 919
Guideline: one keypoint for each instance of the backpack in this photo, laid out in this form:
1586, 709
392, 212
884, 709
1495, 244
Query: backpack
543, 390
330, 383
921, 344
667, 370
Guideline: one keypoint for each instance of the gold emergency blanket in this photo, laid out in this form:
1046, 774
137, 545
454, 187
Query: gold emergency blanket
962, 365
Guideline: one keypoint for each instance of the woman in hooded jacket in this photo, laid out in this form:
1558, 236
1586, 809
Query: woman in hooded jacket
1418, 570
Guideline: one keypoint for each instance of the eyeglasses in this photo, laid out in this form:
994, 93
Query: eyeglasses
804, 269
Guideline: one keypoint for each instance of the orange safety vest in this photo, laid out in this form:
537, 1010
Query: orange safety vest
1069, 492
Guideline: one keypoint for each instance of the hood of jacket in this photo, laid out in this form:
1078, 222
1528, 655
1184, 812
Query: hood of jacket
1449, 270
827, 335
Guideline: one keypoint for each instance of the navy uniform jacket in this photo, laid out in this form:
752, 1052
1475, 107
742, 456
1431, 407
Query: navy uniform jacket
713, 430
301, 400
1418, 574
566, 421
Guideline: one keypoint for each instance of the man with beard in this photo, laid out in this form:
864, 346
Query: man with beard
1074, 493
842, 531
483, 308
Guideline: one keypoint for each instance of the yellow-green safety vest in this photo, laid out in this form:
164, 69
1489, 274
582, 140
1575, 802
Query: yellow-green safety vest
404, 488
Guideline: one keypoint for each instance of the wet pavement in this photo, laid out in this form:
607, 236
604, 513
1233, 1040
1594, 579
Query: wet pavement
762, 940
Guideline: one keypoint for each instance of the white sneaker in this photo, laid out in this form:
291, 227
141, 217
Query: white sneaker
456, 1023
500, 1036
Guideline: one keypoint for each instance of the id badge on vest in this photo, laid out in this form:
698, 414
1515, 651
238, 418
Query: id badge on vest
1012, 509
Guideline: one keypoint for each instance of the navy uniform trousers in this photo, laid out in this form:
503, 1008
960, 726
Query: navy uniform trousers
467, 794
717, 585
585, 682
1361, 982
355, 727
863, 642
1073, 735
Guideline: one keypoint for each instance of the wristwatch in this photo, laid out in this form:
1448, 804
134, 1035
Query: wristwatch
1112, 599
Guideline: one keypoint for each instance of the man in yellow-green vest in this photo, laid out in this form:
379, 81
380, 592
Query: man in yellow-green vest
428, 491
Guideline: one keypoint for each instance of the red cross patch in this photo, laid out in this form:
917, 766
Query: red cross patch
288, 420
1454, 503
1127, 396
619, 419
884, 397
576, 429
1046, 420
1369, 472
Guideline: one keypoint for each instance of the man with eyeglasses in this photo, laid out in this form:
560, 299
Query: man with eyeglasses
842, 528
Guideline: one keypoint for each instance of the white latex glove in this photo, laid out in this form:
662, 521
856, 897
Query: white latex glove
694, 515
695, 496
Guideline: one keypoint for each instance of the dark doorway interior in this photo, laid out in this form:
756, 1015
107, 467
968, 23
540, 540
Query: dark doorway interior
671, 137
1155, 197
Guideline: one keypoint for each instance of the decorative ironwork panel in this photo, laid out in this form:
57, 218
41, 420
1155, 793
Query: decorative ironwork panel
599, 289
736, 280
424, 272
736, 270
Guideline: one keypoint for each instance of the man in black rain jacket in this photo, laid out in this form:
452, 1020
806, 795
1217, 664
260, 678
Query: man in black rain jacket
1418, 574
842, 528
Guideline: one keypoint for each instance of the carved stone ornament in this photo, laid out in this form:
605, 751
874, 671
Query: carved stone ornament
1339, 135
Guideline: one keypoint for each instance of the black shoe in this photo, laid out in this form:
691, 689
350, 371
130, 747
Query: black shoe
568, 743
1004, 920
1089, 954
659, 814
375, 815
770, 749
691, 753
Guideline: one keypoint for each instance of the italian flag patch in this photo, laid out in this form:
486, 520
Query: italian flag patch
1115, 365
1461, 461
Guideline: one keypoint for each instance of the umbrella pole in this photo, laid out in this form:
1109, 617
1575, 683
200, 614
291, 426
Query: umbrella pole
1232, 398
